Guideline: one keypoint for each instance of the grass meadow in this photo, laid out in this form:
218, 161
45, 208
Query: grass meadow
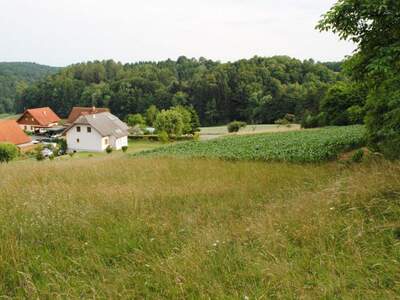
116, 227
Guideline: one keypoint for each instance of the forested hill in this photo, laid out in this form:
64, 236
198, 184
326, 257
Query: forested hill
255, 90
15, 77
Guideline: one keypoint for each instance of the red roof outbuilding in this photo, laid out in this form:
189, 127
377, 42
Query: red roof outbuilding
10, 132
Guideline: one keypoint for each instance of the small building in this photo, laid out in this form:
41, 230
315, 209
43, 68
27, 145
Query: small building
96, 132
76, 112
38, 119
10, 132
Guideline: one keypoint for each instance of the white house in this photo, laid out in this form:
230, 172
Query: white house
96, 132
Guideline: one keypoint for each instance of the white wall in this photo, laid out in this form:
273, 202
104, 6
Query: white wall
121, 142
29, 128
88, 141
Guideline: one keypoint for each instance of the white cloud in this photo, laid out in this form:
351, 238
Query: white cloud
61, 32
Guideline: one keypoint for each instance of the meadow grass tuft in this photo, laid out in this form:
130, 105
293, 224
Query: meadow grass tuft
184, 228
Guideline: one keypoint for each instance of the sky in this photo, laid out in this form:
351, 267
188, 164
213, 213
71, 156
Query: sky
62, 32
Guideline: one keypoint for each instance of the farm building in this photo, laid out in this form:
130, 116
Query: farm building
76, 112
38, 119
96, 132
10, 132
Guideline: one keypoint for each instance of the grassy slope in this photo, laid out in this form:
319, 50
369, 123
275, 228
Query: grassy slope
113, 227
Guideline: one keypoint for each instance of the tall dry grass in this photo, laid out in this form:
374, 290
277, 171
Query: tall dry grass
177, 228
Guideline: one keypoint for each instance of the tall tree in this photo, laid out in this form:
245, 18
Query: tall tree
374, 26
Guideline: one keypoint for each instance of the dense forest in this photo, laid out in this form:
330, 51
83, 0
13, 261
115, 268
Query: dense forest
259, 90
15, 78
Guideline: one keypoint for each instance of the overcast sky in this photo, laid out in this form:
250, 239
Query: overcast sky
61, 32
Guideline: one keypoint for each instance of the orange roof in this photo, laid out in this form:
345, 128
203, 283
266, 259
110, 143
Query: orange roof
10, 132
76, 112
44, 116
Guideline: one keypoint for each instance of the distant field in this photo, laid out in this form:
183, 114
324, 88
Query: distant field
207, 133
313, 145
8, 116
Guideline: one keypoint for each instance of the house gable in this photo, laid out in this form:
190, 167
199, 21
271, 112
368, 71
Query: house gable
27, 119
39, 116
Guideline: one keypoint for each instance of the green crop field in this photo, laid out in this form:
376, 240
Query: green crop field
296, 146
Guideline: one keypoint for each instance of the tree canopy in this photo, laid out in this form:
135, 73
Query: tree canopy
374, 25
15, 78
257, 90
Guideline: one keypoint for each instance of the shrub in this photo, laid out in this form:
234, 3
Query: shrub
163, 137
282, 122
51, 157
109, 149
358, 156
62, 144
236, 125
310, 121
196, 136
124, 148
8, 152
71, 154
39, 155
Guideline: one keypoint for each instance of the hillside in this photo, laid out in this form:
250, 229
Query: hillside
16, 76
120, 228
257, 90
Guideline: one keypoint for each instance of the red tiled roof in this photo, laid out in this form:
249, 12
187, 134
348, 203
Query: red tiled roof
76, 112
10, 132
44, 116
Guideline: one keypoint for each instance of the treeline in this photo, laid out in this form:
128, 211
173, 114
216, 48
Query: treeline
258, 90
15, 78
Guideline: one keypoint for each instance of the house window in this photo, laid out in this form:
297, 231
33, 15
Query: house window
77, 140
106, 141
78, 129
25, 128
89, 129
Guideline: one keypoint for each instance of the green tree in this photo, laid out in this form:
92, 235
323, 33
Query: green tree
374, 25
135, 119
343, 104
151, 115
180, 98
169, 121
